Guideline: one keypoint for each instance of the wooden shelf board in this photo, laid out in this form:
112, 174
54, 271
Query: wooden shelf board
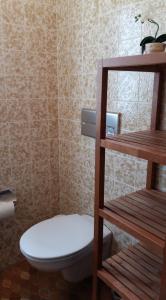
144, 63
149, 145
142, 214
134, 273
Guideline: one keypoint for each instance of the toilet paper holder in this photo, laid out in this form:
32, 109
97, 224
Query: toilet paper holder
8, 195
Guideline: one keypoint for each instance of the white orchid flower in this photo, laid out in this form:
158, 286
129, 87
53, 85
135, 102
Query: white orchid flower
144, 18
141, 18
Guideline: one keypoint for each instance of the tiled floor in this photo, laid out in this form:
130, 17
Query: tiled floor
21, 282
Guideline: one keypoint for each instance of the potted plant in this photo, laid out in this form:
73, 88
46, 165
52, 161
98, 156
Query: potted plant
152, 43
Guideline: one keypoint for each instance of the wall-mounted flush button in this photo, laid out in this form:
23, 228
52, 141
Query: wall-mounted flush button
110, 131
88, 123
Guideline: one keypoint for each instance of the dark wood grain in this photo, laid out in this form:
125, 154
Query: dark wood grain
143, 63
102, 81
155, 124
136, 144
137, 273
140, 220
131, 274
163, 278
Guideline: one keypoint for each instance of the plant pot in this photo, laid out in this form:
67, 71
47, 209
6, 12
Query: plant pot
154, 47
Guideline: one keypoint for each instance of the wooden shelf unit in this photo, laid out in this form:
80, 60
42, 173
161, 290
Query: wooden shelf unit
141, 214
134, 272
138, 63
143, 144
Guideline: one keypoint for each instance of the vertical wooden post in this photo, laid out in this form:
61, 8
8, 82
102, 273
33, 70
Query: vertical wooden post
163, 279
163, 274
151, 174
102, 82
155, 123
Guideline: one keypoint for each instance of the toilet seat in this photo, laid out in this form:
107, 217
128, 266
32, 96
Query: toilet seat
63, 243
58, 238
61, 261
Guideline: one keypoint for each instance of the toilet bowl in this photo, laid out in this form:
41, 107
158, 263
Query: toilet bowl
63, 243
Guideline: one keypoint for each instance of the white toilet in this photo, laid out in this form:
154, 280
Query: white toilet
63, 243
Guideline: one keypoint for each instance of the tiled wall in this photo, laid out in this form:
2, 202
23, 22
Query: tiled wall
28, 116
86, 31
37, 38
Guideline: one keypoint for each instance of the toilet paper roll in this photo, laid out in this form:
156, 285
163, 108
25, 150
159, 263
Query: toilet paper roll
7, 209
7, 204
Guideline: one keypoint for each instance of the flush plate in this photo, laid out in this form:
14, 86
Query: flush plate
88, 123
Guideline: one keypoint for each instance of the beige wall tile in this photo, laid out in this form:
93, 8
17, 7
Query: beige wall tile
54, 149
14, 63
16, 87
5, 176
52, 108
18, 110
50, 17
21, 173
75, 40
36, 13
75, 11
40, 169
3, 111
19, 131
3, 88
69, 108
39, 130
129, 47
13, 36
90, 60
62, 38
61, 12
35, 64
48, 54
40, 151
54, 169
106, 6
51, 61
51, 41
38, 109
75, 87
90, 11
13, 11
89, 86
53, 128
4, 133
128, 29
20, 153
37, 87
90, 33
28, 141
107, 29
52, 86
128, 83
73, 63
2, 62
129, 94
35, 39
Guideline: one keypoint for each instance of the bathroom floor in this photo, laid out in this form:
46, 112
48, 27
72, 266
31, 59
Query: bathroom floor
21, 282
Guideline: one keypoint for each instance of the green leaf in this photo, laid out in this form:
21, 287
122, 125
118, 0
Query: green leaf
147, 40
161, 38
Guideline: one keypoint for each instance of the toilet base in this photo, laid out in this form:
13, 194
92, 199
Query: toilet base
74, 265
83, 268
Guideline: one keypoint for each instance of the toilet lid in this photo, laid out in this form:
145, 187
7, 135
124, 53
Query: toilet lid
57, 237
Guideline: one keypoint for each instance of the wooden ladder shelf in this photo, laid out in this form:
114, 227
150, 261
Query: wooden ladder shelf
139, 272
